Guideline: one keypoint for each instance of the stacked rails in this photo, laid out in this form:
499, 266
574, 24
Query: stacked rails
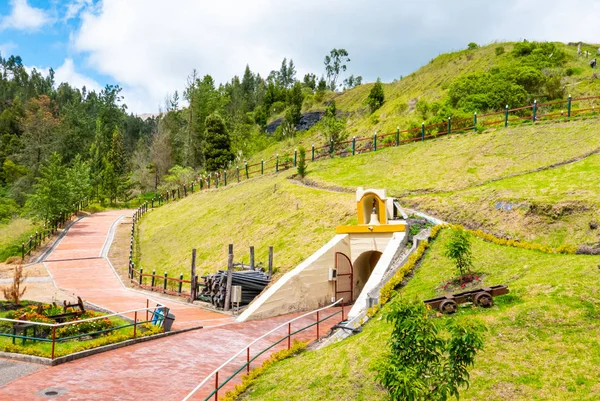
214, 289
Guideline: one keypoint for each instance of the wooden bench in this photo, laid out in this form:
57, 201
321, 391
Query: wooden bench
61, 318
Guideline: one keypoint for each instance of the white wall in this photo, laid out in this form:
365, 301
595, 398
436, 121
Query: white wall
304, 288
383, 264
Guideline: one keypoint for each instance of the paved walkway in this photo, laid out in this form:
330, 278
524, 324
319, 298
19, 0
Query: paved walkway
163, 369
77, 267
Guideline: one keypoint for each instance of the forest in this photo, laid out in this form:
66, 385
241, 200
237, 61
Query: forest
59, 144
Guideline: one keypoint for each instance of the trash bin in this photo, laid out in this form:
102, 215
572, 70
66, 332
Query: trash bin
169, 322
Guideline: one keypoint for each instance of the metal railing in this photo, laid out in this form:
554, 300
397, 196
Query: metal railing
151, 316
246, 366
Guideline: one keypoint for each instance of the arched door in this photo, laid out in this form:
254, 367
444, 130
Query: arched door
344, 282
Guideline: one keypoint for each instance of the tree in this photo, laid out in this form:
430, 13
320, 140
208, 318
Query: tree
217, 148
160, 151
334, 128
301, 163
376, 96
116, 180
335, 63
39, 132
473, 46
52, 196
459, 250
310, 81
427, 359
204, 100
352, 81
78, 176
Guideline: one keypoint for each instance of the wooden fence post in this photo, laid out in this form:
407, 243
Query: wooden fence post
193, 277
252, 257
270, 261
229, 278
53, 339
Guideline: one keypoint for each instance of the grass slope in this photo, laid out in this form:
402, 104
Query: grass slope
461, 161
464, 179
13, 234
554, 206
539, 345
296, 220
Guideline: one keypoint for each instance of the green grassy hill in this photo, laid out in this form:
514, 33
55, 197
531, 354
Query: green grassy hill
430, 84
540, 342
532, 182
296, 220
466, 178
461, 178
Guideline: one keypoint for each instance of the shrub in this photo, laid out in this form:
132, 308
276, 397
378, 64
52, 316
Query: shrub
499, 50
472, 46
459, 250
376, 96
301, 163
427, 359
14, 292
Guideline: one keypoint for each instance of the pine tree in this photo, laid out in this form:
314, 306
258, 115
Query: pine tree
217, 148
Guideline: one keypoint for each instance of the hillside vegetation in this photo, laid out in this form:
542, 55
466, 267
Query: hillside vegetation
455, 85
546, 321
296, 220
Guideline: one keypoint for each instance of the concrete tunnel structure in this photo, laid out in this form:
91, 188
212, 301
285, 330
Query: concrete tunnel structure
350, 265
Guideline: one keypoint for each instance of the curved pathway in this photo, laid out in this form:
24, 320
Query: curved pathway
78, 267
163, 369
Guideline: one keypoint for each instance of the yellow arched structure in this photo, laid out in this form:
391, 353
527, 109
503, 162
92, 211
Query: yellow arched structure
366, 201
365, 207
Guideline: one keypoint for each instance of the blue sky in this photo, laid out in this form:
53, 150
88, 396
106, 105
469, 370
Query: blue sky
44, 42
149, 47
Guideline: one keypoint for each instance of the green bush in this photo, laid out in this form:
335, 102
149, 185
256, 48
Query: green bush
473, 46
427, 358
499, 50
376, 96
301, 162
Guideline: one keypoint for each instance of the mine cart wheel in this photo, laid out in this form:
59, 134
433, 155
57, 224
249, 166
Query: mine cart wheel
448, 306
483, 299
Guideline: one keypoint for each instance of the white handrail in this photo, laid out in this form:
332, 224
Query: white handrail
159, 306
254, 342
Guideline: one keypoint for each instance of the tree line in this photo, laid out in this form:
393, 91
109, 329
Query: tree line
59, 144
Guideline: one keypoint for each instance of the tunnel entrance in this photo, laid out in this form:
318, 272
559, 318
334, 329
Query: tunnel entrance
362, 269
351, 279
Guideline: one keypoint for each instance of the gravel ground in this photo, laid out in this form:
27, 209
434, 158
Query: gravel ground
11, 370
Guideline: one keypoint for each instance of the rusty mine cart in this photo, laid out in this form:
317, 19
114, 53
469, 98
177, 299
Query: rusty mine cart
481, 297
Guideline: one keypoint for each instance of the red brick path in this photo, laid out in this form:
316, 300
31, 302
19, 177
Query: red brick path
76, 266
163, 369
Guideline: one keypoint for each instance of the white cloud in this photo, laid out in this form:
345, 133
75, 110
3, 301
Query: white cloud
75, 7
7, 48
150, 46
67, 73
24, 17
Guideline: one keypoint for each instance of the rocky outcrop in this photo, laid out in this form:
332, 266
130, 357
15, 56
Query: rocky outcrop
306, 122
